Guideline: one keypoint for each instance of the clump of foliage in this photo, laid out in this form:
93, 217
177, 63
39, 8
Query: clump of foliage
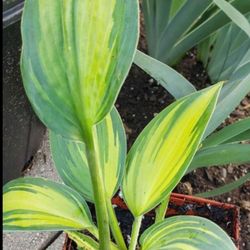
75, 57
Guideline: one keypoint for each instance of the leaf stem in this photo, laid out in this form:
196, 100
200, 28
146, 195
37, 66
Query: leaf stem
99, 191
115, 227
161, 210
135, 232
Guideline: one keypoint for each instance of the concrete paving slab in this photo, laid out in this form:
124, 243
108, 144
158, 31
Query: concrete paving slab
58, 243
42, 166
28, 241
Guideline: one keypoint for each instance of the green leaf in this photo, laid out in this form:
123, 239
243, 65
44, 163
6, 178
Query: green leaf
40, 204
220, 155
225, 188
177, 85
231, 95
180, 23
204, 48
71, 160
202, 31
85, 242
234, 15
231, 133
230, 50
186, 232
157, 14
75, 57
162, 152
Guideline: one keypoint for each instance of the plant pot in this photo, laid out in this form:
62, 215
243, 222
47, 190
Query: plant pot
180, 204
22, 131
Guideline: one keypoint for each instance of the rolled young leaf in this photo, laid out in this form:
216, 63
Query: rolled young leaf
186, 232
39, 204
162, 152
75, 57
71, 160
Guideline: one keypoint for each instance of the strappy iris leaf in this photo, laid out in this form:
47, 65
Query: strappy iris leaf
220, 155
225, 188
175, 26
234, 15
225, 52
236, 132
177, 85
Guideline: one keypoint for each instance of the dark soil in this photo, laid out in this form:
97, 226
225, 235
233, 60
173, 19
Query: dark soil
140, 99
219, 215
213, 213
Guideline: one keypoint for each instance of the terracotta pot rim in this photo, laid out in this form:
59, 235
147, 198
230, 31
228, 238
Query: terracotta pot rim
181, 199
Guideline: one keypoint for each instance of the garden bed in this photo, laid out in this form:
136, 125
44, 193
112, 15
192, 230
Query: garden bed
141, 98
224, 215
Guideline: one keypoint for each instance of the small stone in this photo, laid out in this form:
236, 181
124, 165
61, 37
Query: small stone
127, 129
245, 204
224, 173
120, 194
155, 114
128, 239
229, 199
209, 176
244, 102
222, 179
151, 80
230, 169
152, 98
188, 187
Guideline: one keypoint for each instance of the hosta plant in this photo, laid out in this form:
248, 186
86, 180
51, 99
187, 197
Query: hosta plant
75, 57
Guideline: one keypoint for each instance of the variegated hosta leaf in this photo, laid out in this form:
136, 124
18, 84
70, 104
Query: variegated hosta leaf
163, 151
40, 204
71, 160
75, 57
86, 242
186, 233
